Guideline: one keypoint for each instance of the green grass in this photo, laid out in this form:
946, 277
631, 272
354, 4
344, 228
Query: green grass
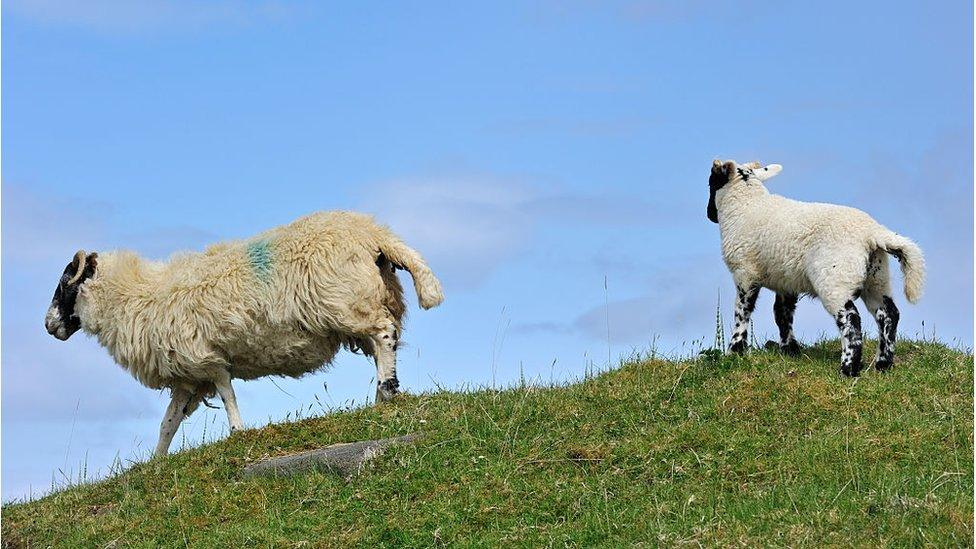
763, 450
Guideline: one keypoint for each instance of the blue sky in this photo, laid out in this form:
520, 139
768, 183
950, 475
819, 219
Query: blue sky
548, 158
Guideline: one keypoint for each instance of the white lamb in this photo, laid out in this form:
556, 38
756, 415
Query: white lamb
794, 248
281, 303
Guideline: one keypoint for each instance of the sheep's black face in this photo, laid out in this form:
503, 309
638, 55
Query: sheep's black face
721, 173
61, 320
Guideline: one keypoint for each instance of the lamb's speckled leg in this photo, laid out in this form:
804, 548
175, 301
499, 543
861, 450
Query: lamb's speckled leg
226, 393
744, 304
849, 324
883, 308
877, 298
783, 310
384, 353
887, 317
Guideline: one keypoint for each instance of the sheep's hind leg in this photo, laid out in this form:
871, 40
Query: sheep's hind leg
226, 392
744, 305
849, 324
384, 353
181, 405
783, 310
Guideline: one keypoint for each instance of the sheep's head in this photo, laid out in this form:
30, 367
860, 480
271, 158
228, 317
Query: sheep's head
728, 172
61, 320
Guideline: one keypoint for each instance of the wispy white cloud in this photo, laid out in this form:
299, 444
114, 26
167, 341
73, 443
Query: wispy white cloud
42, 228
38, 227
468, 225
679, 302
46, 379
465, 226
130, 16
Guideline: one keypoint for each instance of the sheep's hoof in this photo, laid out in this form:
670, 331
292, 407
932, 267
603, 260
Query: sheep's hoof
387, 390
851, 370
739, 348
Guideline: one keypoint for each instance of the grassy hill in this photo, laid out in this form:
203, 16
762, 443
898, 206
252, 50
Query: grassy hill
719, 450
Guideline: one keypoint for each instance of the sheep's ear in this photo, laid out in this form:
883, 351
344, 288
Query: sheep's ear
768, 172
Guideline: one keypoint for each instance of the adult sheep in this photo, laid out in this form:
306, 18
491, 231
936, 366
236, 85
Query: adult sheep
281, 303
798, 248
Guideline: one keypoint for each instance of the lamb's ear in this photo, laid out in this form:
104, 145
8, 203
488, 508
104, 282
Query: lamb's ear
768, 172
724, 168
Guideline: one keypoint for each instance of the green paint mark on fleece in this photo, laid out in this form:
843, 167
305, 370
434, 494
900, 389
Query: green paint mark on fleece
259, 254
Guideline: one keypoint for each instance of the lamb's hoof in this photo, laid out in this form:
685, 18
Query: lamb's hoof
851, 370
883, 365
387, 390
791, 349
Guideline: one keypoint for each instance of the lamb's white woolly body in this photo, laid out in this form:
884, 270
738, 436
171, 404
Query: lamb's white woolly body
832, 252
801, 247
281, 303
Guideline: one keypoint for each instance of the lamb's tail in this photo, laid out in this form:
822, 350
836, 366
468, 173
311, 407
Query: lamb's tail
426, 284
912, 262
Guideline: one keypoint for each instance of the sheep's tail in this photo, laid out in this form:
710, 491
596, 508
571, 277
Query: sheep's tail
428, 288
912, 262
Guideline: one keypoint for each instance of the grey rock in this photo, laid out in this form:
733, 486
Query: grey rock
344, 459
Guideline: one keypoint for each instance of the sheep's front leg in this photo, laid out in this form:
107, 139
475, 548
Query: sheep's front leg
226, 393
744, 304
181, 405
384, 353
849, 324
783, 310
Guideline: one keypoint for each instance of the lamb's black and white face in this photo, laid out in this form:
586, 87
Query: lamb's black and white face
728, 172
61, 320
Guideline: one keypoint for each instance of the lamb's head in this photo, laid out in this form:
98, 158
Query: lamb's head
726, 174
61, 320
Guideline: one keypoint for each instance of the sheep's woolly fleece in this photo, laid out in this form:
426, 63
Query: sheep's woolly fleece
281, 303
